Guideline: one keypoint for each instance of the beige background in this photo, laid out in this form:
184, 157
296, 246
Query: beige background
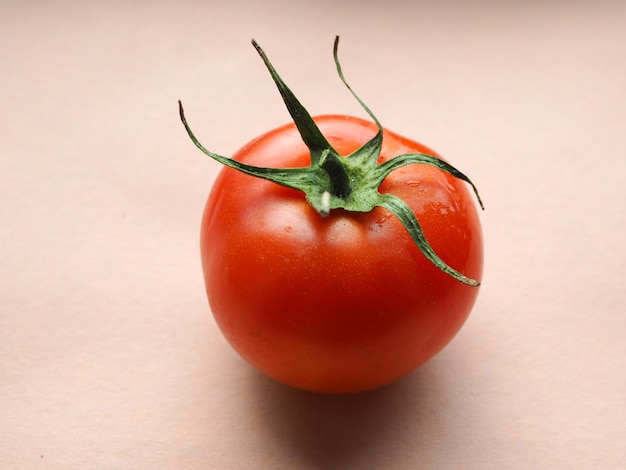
109, 357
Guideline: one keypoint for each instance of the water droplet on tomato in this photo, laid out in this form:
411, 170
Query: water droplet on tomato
383, 219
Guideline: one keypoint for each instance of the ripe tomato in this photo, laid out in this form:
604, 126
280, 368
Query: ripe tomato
342, 303
335, 300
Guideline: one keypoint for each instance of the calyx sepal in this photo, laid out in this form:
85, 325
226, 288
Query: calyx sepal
350, 183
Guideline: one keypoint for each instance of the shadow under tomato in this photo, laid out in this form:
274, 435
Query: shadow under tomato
361, 430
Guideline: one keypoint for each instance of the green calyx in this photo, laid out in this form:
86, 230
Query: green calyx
350, 183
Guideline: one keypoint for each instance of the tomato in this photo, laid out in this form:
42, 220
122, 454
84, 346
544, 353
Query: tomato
332, 299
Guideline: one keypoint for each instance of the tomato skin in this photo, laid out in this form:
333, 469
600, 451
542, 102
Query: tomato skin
343, 303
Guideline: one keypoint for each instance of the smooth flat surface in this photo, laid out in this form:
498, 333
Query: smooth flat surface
109, 357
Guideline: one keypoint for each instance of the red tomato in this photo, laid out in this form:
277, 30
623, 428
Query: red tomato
342, 303
349, 259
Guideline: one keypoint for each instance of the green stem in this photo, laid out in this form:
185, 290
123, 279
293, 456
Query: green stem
337, 174
351, 183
